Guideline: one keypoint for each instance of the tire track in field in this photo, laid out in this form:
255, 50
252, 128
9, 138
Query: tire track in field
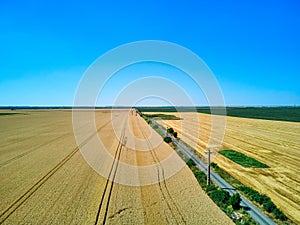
31, 150
112, 172
36, 132
251, 136
19, 201
162, 184
34, 149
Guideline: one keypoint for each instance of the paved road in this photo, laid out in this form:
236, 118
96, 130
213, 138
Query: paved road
255, 213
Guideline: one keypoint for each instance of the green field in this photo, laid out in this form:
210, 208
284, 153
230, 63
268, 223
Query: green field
163, 116
242, 159
287, 113
8, 114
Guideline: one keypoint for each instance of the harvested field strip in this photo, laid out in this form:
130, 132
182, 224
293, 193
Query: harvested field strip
19, 201
258, 140
115, 169
162, 185
239, 143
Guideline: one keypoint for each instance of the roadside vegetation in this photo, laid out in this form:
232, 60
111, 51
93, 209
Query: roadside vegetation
167, 139
156, 128
242, 159
170, 130
146, 118
262, 201
229, 204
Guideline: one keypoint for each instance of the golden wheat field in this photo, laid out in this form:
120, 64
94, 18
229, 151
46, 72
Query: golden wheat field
274, 143
44, 178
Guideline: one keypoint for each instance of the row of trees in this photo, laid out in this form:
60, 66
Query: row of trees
263, 200
172, 132
252, 194
221, 197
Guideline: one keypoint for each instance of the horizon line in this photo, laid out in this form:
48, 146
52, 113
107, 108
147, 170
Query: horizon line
144, 106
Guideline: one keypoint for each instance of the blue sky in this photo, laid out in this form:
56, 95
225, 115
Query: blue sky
252, 47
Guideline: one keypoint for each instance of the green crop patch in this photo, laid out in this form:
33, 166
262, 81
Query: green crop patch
163, 116
242, 159
8, 114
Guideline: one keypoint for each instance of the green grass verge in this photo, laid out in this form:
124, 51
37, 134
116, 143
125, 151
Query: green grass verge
242, 159
262, 201
226, 176
156, 128
218, 195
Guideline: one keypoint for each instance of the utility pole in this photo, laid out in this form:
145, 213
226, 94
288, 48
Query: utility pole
208, 167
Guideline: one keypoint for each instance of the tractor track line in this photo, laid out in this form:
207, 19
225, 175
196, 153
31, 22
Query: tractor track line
33, 149
19, 201
114, 168
163, 183
30, 151
35, 134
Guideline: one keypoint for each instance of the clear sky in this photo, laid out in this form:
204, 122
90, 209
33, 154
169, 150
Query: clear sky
252, 47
